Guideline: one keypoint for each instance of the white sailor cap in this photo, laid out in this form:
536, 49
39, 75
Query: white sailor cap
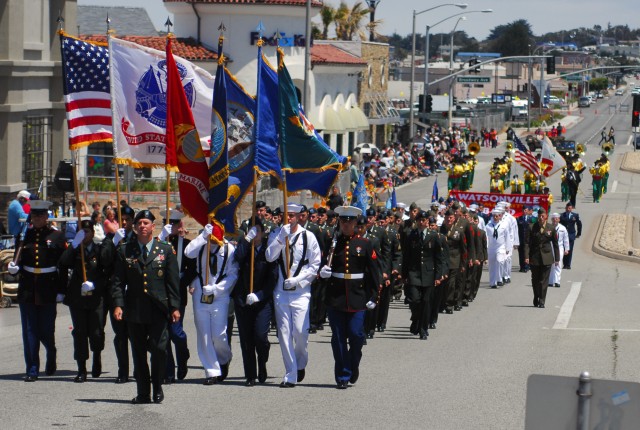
401, 205
40, 205
442, 207
501, 204
348, 212
292, 208
473, 207
555, 215
174, 215
497, 210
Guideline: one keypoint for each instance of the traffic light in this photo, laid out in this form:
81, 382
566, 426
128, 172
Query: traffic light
421, 102
551, 65
635, 118
428, 106
472, 65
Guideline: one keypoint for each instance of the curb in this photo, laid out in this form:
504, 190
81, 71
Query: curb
596, 248
628, 159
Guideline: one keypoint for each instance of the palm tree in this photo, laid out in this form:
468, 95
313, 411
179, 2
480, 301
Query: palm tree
328, 15
349, 21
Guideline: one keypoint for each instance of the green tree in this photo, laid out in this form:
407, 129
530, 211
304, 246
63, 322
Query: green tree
511, 39
348, 21
327, 15
599, 84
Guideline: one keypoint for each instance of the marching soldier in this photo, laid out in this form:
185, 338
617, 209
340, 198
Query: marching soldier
481, 255
354, 280
87, 299
422, 271
571, 220
394, 265
439, 295
380, 242
40, 287
172, 234
254, 308
499, 244
292, 292
563, 245
145, 294
261, 212
541, 252
211, 301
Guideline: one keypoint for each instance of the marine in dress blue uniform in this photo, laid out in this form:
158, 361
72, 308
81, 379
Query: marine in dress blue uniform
40, 286
354, 281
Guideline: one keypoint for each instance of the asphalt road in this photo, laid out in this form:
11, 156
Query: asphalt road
470, 374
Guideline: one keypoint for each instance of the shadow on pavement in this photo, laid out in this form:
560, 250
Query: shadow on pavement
121, 401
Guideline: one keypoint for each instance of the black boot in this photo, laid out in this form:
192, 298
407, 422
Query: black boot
82, 372
96, 369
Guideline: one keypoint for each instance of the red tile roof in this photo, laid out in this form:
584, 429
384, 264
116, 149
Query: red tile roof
185, 48
329, 54
314, 3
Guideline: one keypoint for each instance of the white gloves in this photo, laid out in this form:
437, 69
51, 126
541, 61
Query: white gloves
206, 231
121, 233
252, 234
165, 233
325, 272
371, 305
284, 233
77, 240
208, 290
290, 284
13, 268
87, 286
252, 298
59, 298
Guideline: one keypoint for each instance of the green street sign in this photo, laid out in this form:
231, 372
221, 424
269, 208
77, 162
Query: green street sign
473, 79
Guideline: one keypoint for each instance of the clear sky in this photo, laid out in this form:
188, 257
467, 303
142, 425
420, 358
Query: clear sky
543, 15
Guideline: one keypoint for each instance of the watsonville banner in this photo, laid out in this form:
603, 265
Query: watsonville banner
139, 102
489, 200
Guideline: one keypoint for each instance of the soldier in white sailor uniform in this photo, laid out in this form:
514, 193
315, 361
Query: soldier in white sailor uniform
211, 302
563, 244
499, 244
515, 240
293, 291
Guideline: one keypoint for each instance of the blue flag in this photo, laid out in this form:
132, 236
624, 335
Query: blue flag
309, 162
434, 193
392, 202
267, 161
241, 149
360, 197
218, 161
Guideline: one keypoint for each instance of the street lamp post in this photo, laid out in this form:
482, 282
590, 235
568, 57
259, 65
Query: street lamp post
452, 81
413, 58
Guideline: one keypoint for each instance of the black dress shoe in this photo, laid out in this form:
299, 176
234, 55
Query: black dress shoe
210, 381
158, 396
30, 378
122, 380
567, 267
168, 381
432, 326
556, 285
500, 284
535, 302
50, 368
413, 329
541, 305
287, 385
96, 369
250, 382
80, 377
301, 375
312, 330
493, 286
141, 400
320, 327
262, 373
465, 303
355, 374
342, 385
457, 308
449, 311
383, 328
224, 368
507, 281
182, 371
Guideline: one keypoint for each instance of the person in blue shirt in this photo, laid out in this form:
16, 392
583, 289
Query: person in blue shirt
16, 212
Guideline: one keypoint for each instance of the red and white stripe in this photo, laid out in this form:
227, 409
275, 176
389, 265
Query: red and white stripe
88, 118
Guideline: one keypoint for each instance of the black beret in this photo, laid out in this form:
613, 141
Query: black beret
144, 214
371, 212
127, 210
362, 220
277, 211
331, 213
422, 214
260, 204
312, 211
304, 208
381, 216
322, 210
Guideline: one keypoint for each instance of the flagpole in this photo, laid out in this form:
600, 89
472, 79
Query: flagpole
252, 223
286, 214
76, 190
168, 192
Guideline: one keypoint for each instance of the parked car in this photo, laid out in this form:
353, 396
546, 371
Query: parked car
619, 92
584, 101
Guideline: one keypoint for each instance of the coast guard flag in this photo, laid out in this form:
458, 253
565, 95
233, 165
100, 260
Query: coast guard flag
85, 70
309, 162
138, 77
551, 160
360, 196
184, 150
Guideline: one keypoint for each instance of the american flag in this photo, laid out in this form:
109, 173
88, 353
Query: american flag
85, 67
525, 158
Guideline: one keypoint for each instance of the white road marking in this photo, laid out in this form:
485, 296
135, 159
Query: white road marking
628, 330
564, 316
614, 186
629, 140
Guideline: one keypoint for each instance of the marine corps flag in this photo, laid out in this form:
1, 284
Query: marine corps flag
183, 147
309, 162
